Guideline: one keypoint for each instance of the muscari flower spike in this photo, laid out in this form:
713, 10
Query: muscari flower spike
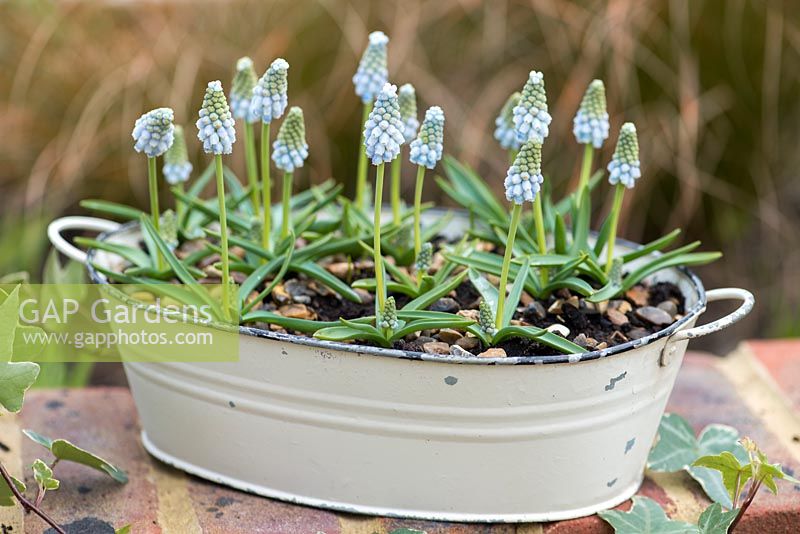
624, 166
524, 177
270, 98
372, 71
242, 89
176, 163
154, 132
425, 257
504, 131
486, 318
383, 131
590, 124
168, 229
389, 314
408, 111
426, 149
215, 125
531, 119
290, 149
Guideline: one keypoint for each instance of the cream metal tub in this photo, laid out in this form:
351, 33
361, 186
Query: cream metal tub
391, 433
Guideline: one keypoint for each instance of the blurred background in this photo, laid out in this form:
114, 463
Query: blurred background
712, 86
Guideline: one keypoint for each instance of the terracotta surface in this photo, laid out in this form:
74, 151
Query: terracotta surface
756, 390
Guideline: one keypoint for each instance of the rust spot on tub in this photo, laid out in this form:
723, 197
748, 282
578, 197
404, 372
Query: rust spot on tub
613, 383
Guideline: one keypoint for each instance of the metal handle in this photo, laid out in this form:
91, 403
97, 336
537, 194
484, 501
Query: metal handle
55, 228
737, 315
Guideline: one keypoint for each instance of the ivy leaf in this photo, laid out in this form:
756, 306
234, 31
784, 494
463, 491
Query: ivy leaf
677, 449
734, 474
123, 530
646, 517
715, 520
15, 379
68, 452
9, 318
44, 476
6, 497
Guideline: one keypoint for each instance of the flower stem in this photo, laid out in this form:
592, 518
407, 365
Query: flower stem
223, 236
586, 170
612, 234
180, 208
380, 289
155, 212
418, 216
252, 165
501, 294
26, 504
361, 180
286, 210
541, 240
396, 164
266, 188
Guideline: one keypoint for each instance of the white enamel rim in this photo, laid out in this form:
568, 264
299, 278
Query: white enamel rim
674, 331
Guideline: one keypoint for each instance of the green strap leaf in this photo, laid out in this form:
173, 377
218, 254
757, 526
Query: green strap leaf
516, 292
425, 300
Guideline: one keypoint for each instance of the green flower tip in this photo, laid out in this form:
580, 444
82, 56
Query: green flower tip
486, 318
215, 125
590, 125
531, 118
242, 88
389, 314
624, 166
290, 149
407, 96
425, 258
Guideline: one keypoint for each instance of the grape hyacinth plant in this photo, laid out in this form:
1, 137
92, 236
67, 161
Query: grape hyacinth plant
244, 81
215, 130
512, 282
269, 101
289, 153
369, 80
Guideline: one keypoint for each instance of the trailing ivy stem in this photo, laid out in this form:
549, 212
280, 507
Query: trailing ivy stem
223, 237
252, 165
266, 188
380, 289
286, 209
27, 505
418, 216
155, 212
586, 170
754, 487
396, 165
361, 179
501, 293
612, 234
541, 240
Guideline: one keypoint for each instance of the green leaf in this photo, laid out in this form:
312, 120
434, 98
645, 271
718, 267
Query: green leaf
652, 246
313, 270
560, 235
516, 292
15, 379
582, 224
300, 325
6, 497
407, 531
645, 517
44, 476
425, 300
430, 324
486, 290
348, 333
614, 285
120, 211
539, 334
9, 319
68, 452
135, 256
123, 530
734, 474
715, 520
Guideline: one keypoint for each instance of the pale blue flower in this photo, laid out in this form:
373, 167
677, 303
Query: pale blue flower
176, 163
426, 149
531, 119
425, 258
153, 132
372, 73
383, 131
290, 150
590, 124
242, 88
388, 317
524, 177
504, 131
624, 166
407, 97
215, 125
270, 93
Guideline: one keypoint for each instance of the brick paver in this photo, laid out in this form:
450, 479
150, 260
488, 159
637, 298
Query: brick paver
756, 390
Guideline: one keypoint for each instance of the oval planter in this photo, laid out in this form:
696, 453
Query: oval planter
391, 433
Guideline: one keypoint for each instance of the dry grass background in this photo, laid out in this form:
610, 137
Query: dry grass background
711, 84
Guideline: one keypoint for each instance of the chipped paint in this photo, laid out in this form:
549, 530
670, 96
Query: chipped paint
613, 383
450, 380
610, 483
629, 445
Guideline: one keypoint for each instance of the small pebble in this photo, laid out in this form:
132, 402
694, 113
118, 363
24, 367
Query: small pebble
616, 317
555, 308
365, 296
494, 352
622, 306
575, 302
637, 333
448, 335
536, 309
280, 295
340, 269
436, 347
618, 337
559, 329
472, 315
639, 295
445, 304
469, 343
421, 340
670, 307
297, 311
654, 315
455, 350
